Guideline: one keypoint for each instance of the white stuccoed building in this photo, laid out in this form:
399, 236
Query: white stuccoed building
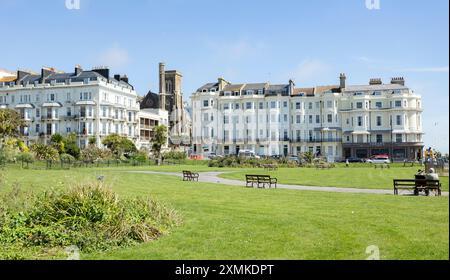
335, 121
89, 103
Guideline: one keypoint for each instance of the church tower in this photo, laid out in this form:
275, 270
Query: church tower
170, 88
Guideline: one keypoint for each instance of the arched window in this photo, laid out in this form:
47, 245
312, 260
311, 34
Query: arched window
169, 87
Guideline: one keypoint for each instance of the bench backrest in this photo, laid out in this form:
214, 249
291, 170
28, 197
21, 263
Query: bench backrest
263, 178
257, 177
251, 177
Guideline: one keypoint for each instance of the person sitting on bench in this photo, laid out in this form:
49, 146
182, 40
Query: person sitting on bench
432, 175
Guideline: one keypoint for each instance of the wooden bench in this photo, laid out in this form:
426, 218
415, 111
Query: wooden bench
261, 181
427, 186
190, 176
409, 184
418, 186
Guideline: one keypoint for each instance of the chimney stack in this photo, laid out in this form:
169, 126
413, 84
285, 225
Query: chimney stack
398, 81
102, 70
125, 79
162, 85
343, 80
78, 70
376, 81
45, 73
222, 83
20, 75
162, 78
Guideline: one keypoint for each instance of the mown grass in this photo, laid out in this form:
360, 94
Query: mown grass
362, 178
222, 222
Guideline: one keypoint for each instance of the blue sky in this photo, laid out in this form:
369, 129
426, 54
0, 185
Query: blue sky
243, 41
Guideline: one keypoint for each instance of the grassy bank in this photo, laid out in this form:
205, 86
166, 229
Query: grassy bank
221, 222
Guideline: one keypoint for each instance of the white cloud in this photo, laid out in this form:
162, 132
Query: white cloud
310, 71
427, 69
114, 57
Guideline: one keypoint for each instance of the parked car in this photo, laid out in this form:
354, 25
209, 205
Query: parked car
213, 156
380, 159
248, 154
294, 159
353, 160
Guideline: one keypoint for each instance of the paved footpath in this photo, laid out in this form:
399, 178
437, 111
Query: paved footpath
213, 177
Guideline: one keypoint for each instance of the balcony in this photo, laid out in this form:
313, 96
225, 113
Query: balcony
383, 144
49, 118
147, 127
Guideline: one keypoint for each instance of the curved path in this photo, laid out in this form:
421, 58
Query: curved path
213, 177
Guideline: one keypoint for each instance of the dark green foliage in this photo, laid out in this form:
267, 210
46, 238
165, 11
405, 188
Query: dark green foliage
43, 152
119, 145
91, 217
10, 122
71, 147
233, 161
159, 140
175, 155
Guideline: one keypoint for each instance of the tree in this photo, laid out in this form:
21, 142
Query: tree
44, 152
119, 145
159, 140
70, 145
57, 141
10, 122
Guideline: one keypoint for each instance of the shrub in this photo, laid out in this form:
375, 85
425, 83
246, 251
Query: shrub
25, 157
175, 155
140, 156
91, 154
67, 158
91, 216
43, 152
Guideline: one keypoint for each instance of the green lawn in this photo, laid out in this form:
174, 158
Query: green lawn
363, 177
221, 222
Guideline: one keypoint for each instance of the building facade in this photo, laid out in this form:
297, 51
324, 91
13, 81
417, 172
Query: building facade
170, 99
149, 119
336, 122
91, 104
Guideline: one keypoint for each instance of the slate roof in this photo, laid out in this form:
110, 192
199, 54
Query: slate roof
208, 87
256, 86
63, 77
376, 87
305, 91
